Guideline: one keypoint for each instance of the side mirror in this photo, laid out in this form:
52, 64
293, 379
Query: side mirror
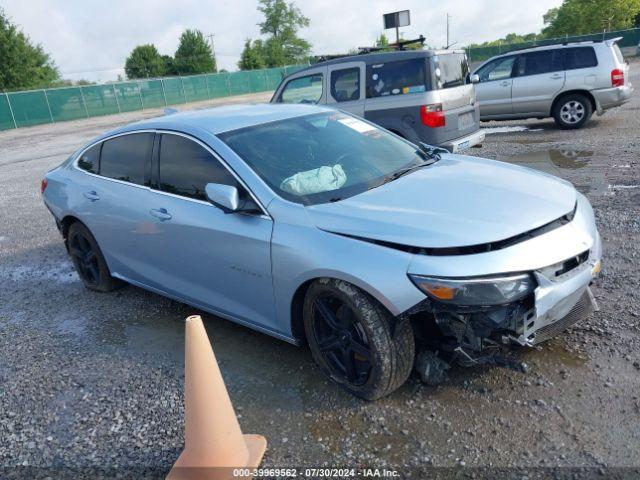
475, 78
224, 197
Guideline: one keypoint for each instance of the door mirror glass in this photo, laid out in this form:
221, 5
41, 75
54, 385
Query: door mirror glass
475, 78
224, 197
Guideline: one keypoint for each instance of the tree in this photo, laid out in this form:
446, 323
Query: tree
577, 17
281, 23
382, 41
144, 61
22, 64
194, 54
169, 65
252, 56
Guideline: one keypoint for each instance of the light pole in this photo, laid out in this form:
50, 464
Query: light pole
213, 48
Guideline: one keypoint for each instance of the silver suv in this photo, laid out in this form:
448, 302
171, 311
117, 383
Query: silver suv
423, 96
567, 82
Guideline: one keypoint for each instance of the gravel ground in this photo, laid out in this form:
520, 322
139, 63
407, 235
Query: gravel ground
92, 382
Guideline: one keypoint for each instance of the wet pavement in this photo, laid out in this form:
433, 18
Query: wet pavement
92, 380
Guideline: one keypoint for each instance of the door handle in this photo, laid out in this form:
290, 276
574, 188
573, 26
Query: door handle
92, 195
556, 76
506, 83
160, 213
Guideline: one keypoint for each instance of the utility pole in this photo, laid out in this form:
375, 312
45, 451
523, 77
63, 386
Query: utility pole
213, 48
448, 16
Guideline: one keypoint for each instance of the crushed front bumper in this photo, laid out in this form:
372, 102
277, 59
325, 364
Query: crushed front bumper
560, 300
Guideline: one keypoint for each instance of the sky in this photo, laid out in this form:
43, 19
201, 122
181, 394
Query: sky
91, 39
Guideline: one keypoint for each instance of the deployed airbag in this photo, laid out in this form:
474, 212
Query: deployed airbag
318, 180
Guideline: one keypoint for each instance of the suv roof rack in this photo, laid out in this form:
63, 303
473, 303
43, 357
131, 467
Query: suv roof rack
398, 46
564, 44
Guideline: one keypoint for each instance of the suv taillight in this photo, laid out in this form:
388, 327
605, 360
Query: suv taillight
43, 185
617, 78
432, 115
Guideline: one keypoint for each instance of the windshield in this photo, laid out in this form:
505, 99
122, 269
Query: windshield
322, 157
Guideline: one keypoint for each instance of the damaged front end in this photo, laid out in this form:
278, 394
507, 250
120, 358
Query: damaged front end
470, 320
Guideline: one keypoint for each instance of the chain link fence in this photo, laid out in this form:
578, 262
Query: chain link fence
36, 107
630, 38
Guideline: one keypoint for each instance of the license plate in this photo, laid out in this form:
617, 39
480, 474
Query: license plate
465, 121
462, 146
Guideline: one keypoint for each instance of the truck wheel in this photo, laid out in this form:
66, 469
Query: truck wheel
88, 260
355, 341
572, 111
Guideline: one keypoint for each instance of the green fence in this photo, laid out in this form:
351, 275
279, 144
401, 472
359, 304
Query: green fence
630, 38
35, 107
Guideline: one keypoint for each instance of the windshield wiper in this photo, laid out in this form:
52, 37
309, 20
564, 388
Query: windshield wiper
401, 173
431, 151
432, 155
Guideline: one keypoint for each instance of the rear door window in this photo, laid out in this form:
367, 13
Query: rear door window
89, 160
537, 63
125, 157
579, 57
453, 69
345, 84
186, 167
499, 69
396, 78
306, 89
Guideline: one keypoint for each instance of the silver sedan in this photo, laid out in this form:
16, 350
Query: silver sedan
316, 226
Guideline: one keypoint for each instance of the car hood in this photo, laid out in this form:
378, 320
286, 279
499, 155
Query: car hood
458, 201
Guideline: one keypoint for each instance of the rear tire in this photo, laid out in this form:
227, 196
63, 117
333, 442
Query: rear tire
355, 341
88, 260
572, 111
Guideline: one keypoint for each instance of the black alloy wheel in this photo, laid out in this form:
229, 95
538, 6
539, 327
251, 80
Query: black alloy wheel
342, 340
355, 341
85, 259
88, 259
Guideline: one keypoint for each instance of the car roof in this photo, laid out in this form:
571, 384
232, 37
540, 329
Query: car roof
229, 117
554, 46
381, 57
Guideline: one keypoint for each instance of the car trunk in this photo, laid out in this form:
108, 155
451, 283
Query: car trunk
449, 77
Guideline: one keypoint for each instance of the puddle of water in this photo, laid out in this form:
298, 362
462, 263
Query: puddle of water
555, 161
493, 130
546, 160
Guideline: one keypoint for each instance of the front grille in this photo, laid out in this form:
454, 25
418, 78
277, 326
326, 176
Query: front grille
580, 311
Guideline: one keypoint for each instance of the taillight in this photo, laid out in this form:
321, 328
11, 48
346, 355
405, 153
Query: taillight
617, 78
432, 115
43, 185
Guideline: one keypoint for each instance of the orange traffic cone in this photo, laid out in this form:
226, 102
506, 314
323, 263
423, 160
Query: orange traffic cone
215, 447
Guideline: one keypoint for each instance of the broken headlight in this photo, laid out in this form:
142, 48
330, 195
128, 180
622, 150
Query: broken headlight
476, 291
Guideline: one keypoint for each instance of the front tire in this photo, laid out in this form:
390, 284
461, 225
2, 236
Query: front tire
572, 111
355, 341
88, 260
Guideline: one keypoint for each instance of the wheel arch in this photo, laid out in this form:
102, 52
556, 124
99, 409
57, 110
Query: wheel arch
297, 300
66, 223
561, 95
